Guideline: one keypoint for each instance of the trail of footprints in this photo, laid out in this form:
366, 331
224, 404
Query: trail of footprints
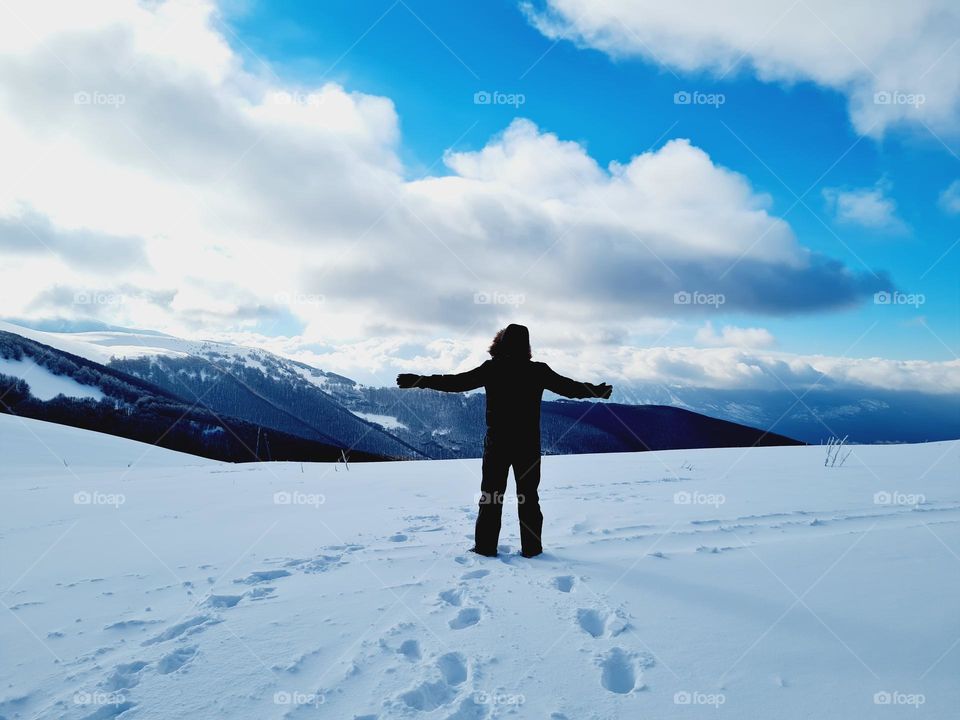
443, 681
735, 532
125, 676
620, 670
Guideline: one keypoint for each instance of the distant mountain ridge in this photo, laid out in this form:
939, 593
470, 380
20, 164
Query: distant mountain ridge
228, 402
272, 392
866, 415
140, 410
452, 425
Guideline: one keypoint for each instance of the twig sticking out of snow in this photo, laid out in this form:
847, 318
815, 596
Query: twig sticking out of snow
835, 453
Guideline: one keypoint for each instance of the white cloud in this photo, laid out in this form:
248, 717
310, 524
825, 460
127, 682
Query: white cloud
377, 360
950, 198
237, 189
869, 207
895, 63
761, 369
206, 199
733, 336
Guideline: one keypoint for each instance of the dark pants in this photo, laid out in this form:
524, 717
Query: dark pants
498, 458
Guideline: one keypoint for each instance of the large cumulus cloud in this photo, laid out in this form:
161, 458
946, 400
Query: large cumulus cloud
896, 61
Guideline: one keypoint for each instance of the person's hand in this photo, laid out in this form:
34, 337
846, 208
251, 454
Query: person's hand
602, 390
407, 380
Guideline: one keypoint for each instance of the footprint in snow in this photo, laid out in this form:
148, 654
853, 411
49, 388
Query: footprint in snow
125, 676
470, 709
187, 627
261, 593
474, 574
563, 583
298, 663
332, 557
430, 695
222, 601
176, 659
714, 550
105, 712
453, 596
600, 624
259, 576
453, 667
319, 564
131, 624
467, 617
621, 672
410, 649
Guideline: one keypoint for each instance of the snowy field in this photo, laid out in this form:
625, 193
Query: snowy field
140, 583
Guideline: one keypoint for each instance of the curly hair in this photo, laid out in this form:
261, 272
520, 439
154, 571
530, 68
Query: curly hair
512, 341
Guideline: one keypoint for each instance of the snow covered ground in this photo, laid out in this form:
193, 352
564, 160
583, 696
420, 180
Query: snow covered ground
140, 583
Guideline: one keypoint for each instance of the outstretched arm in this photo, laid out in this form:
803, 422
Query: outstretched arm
573, 389
460, 382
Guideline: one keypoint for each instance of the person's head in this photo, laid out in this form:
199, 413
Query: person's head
513, 342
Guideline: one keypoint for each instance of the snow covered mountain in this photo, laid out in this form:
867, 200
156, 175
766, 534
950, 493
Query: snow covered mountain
398, 424
731, 583
288, 399
42, 382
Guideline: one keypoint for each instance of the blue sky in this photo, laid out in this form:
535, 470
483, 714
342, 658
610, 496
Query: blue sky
319, 179
787, 138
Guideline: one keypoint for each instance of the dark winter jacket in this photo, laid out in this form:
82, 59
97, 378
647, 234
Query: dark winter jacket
514, 388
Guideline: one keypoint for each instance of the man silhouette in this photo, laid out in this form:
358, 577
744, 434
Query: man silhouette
514, 386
